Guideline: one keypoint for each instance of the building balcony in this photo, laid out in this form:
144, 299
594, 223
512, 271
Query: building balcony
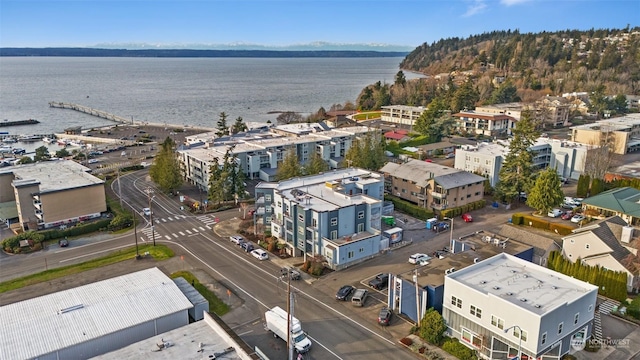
438, 206
438, 195
277, 220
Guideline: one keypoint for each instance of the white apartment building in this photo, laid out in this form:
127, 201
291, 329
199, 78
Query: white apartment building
402, 114
336, 214
503, 305
567, 157
476, 122
258, 154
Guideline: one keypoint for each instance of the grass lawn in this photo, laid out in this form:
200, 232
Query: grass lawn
368, 115
216, 305
159, 252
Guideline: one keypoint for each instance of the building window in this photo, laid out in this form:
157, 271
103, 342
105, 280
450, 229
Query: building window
590, 308
475, 311
301, 230
560, 328
497, 322
360, 228
575, 318
361, 215
543, 338
314, 222
586, 246
267, 198
334, 234
471, 338
334, 221
301, 217
516, 333
456, 302
279, 204
350, 254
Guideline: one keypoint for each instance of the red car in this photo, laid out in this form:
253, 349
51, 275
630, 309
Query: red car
567, 216
467, 217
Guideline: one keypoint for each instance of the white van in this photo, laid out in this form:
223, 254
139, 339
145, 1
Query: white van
359, 297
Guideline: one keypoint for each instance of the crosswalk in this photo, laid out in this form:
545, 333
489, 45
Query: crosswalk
148, 233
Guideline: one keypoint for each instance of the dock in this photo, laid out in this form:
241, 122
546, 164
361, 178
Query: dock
19, 122
91, 111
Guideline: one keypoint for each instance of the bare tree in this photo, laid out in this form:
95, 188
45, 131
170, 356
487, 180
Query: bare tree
289, 117
244, 206
601, 157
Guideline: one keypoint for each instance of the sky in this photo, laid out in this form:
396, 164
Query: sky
279, 23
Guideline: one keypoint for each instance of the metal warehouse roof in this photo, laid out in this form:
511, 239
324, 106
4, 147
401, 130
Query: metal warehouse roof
42, 325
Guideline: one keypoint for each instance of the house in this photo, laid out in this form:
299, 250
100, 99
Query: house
399, 135
442, 147
610, 243
33, 194
623, 202
504, 305
431, 185
401, 114
621, 134
336, 215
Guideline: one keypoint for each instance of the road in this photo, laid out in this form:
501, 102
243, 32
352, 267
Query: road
338, 330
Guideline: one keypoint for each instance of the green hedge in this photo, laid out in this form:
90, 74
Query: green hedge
457, 211
540, 223
459, 350
10, 244
409, 208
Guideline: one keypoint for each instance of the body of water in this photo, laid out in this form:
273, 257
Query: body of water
183, 91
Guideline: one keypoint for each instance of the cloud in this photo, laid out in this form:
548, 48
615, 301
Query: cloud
513, 2
475, 7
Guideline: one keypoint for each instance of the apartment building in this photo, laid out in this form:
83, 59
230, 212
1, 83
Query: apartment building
336, 215
622, 134
259, 153
431, 185
567, 157
476, 122
35, 196
402, 114
504, 305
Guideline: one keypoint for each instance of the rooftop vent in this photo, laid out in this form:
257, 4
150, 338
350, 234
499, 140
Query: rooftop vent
496, 288
483, 282
525, 276
509, 293
537, 306
523, 299
540, 281
513, 271
554, 287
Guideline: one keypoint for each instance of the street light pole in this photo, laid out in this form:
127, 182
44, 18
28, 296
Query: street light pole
519, 341
450, 234
135, 231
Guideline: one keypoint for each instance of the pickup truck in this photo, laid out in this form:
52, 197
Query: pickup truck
379, 282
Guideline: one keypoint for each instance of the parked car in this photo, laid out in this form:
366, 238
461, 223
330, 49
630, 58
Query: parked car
415, 258
568, 206
441, 226
467, 217
63, 243
247, 246
344, 292
577, 218
567, 216
293, 273
237, 239
359, 297
384, 317
379, 282
555, 213
260, 254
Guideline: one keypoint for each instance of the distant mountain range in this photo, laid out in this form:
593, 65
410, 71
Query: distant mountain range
318, 49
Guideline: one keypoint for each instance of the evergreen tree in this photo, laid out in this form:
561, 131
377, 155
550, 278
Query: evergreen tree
221, 126
400, 78
289, 167
366, 152
238, 126
546, 193
315, 165
516, 174
42, 153
215, 192
465, 97
165, 171
582, 188
432, 327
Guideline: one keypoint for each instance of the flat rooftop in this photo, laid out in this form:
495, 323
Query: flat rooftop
478, 247
55, 175
525, 284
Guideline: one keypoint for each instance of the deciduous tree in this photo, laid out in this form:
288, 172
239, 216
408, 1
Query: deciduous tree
432, 327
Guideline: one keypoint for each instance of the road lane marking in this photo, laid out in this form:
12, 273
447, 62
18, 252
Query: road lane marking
94, 253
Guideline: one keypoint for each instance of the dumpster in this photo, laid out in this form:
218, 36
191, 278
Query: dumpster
389, 220
431, 222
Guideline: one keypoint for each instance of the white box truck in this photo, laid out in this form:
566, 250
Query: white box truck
276, 319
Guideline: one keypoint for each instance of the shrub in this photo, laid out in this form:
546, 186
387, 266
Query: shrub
455, 348
560, 228
406, 341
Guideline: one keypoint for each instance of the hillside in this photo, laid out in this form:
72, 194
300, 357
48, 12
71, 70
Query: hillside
504, 66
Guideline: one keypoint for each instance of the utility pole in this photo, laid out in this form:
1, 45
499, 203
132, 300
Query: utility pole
415, 281
153, 231
120, 194
289, 315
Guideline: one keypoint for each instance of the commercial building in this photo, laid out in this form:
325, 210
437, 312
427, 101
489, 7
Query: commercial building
259, 153
431, 185
623, 202
34, 195
93, 319
621, 134
336, 215
504, 306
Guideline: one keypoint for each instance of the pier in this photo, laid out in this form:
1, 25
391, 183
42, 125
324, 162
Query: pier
91, 111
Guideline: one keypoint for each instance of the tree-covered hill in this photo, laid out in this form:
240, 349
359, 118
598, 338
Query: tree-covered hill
528, 65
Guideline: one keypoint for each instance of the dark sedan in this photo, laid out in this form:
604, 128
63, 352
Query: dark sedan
344, 292
384, 317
